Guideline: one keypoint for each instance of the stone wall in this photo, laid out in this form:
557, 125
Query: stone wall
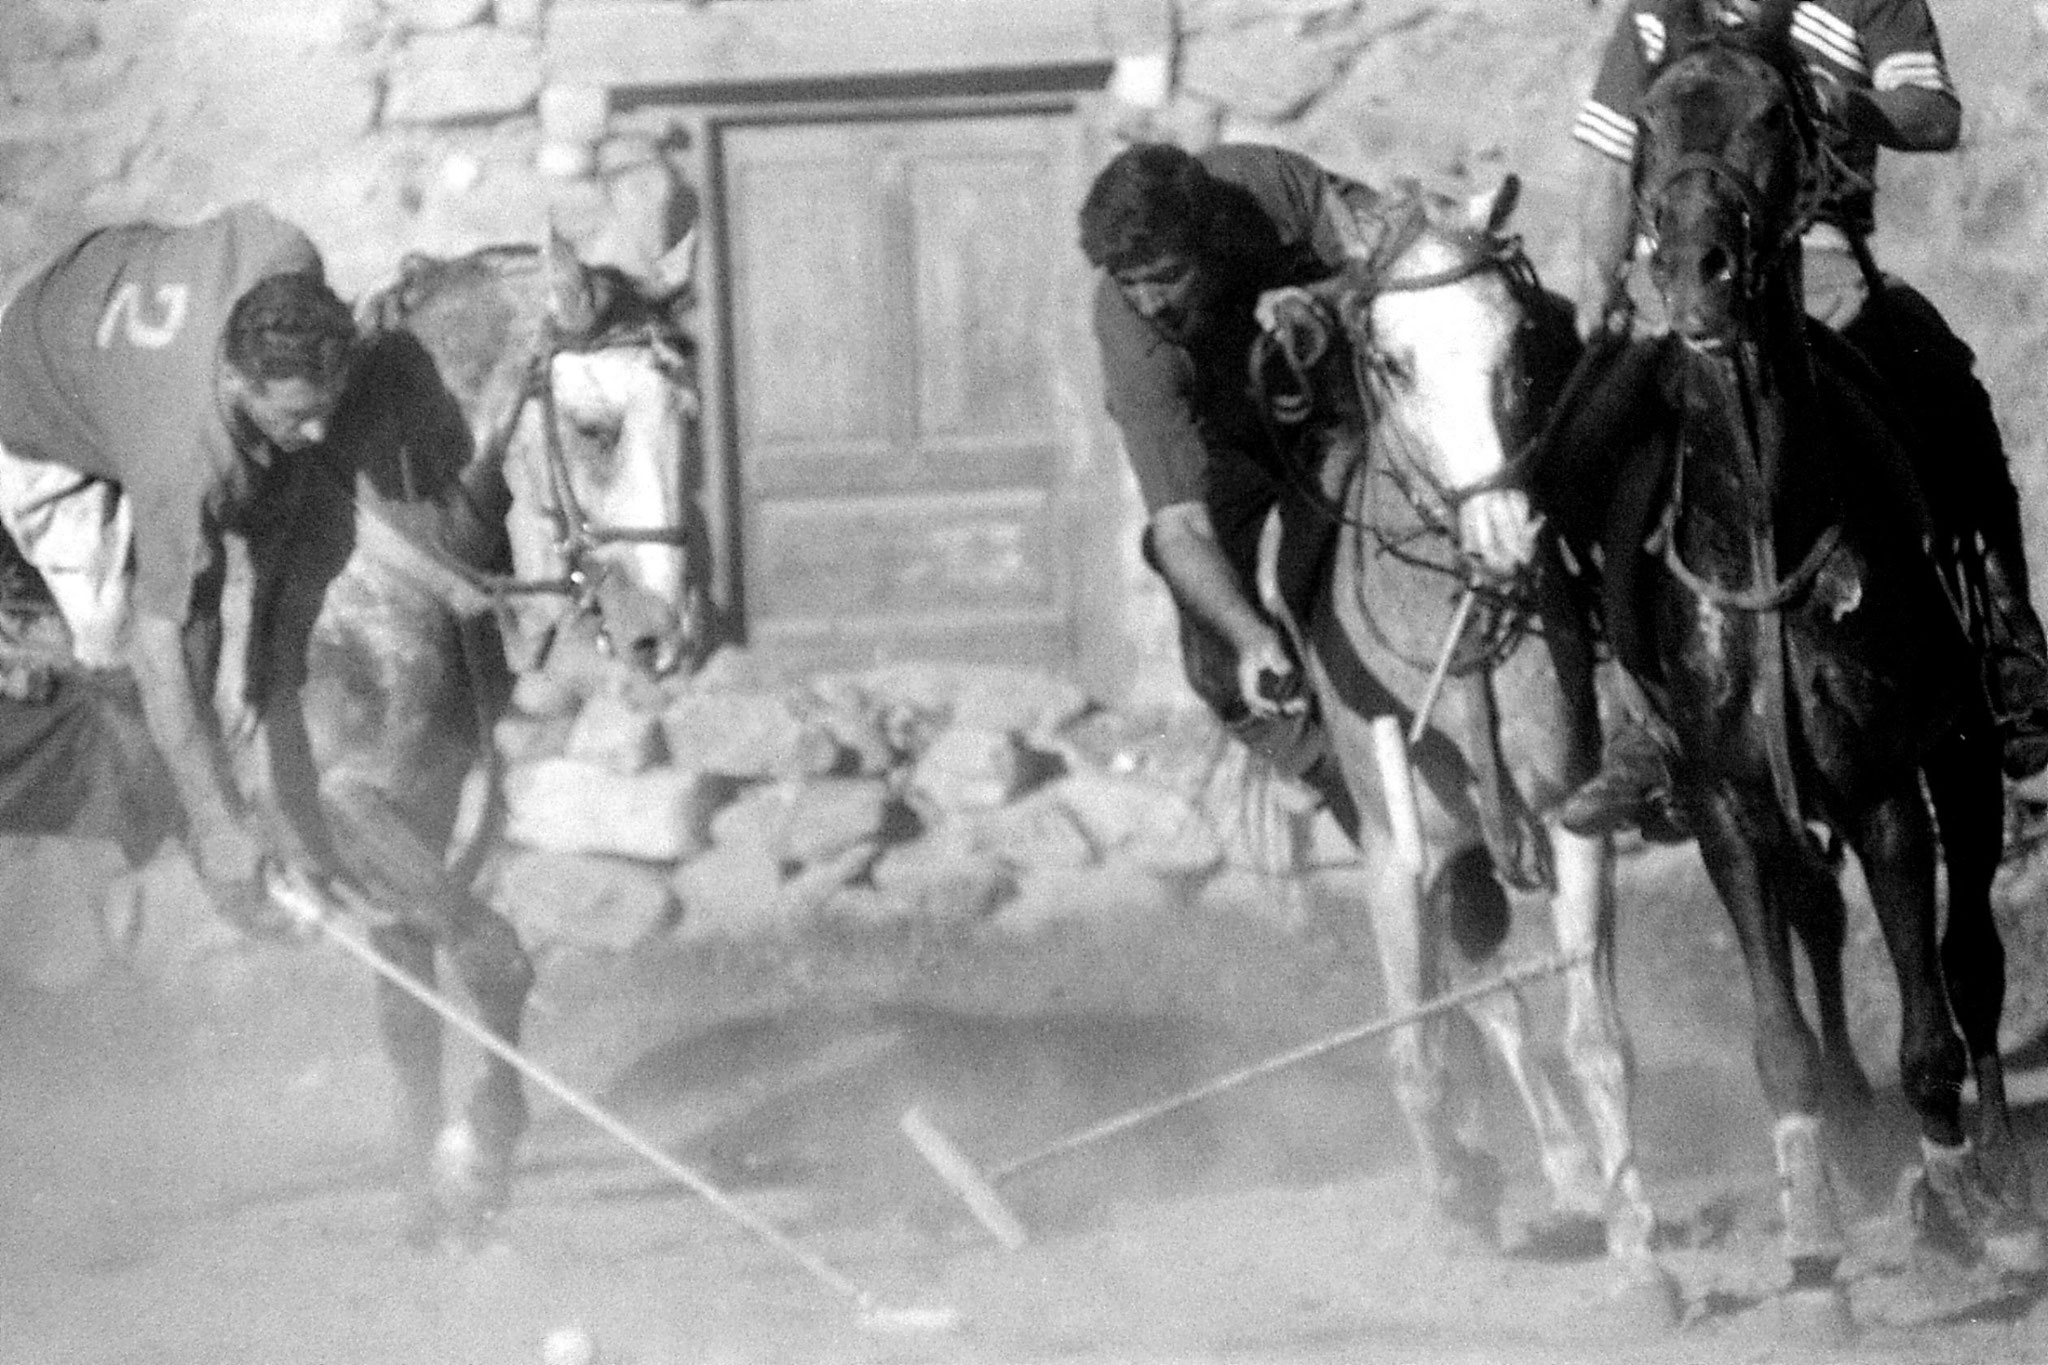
387, 126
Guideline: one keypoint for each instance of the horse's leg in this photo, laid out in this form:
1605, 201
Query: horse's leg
474, 1158
1595, 1042
1575, 1188
412, 1041
1747, 853
1464, 1182
1955, 1212
1821, 920
1968, 803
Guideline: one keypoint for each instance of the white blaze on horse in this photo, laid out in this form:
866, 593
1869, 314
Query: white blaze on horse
1405, 392
512, 384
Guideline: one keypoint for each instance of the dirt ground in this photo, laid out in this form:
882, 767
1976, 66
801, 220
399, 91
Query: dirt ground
204, 1178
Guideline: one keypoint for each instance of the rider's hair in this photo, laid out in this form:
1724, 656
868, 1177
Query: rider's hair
290, 326
1152, 200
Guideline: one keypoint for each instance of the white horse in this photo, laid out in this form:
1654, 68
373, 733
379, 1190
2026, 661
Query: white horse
1403, 392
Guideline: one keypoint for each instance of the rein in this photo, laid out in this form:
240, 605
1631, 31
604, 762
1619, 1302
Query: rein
1505, 620
468, 590
575, 537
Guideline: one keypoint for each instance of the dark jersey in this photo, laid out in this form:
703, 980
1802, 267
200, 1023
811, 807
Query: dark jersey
1190, 426
109, 362
1864, 44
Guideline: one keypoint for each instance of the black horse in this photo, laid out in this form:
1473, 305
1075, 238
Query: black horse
510, 390
1801, 642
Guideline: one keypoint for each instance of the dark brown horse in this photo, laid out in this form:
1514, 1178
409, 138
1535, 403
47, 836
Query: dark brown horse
1800, 642
511, 386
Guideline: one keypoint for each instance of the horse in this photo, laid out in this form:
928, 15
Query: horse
1799, 640
1405, 395
514, 432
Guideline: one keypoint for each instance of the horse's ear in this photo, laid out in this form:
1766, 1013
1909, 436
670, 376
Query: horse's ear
1489, 212
572, 301
676, 269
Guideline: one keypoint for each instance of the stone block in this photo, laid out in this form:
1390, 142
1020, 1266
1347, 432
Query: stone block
987, 697
943, 880
967, 767
466, 75
587, 902
806, 892
752, 819
567, 806
435, 16
1134, 821
574, 115
804, 821
1036, 832
823, 817
613, 733
729, 892
524, 15
741, 734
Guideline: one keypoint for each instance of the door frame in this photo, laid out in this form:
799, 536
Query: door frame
1101, 645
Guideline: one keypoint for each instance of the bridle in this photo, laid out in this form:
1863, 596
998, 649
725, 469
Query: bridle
1433, 503
575, 538
1820, 175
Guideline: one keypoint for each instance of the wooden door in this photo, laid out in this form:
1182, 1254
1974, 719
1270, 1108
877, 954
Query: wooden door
900, 305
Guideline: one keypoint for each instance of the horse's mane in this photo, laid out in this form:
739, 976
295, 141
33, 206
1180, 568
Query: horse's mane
1690, 28
1690, 23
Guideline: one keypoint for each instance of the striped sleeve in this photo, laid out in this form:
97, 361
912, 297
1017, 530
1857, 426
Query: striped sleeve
1900, 46
1606, 131
1606, 121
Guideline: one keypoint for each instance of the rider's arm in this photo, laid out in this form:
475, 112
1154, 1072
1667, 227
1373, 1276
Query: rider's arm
1186, 550
180, 720
1604, 132
1910, 118
1606, 234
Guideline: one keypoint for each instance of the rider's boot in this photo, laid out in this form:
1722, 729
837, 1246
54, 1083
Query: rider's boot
1632, 790
2016, 656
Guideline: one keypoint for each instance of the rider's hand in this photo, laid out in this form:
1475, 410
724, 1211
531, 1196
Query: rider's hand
232, 865
1832, 98
1268, 680
1293, 317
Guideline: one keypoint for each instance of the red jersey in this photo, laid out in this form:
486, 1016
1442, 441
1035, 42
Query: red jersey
109, 364
1864, 44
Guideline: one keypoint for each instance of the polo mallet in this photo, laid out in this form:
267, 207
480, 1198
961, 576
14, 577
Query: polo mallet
314, 908
976, 1186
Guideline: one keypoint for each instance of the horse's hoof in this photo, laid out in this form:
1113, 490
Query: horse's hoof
1464, 1215
1563, 1236
1816, 1316
1958, 1222
1645, 1297
472, 1185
